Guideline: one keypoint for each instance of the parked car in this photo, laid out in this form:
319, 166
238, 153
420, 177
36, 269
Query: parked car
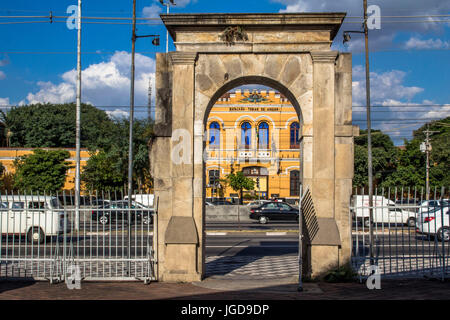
384, 211
408, 204
431, 205
257, 203
35, 216
118, 211
99, 203
274, 211
147, 200
435, 223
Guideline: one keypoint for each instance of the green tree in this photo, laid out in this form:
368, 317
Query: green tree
238, 182
411, 169
103, 173
53, 126
113, 151
41, 171
384, 155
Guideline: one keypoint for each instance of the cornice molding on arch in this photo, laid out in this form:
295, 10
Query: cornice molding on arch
288, 169
265, 117
290, 120
211, 119
242, 118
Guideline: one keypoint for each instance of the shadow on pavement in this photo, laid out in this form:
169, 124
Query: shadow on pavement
13, 285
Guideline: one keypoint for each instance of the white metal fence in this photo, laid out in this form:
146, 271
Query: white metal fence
406, 234
46, 237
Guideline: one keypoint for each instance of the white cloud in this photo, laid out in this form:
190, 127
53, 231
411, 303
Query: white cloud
152, 11
4, 102
103, 84
378, 38
416, 43
2, 75
386, 88
117, 114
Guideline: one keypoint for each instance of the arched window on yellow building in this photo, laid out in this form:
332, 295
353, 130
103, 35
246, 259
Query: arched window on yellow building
263, 136
214, 135
246, 135
295, 128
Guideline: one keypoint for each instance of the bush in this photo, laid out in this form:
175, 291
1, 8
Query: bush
342, 274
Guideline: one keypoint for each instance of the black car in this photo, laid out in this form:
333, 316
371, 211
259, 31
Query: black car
118, 211
272, 211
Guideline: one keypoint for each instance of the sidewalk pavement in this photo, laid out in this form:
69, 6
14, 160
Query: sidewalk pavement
218, 288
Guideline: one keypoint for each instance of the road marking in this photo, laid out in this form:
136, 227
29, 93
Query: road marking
216, 233
276, 233
95, 234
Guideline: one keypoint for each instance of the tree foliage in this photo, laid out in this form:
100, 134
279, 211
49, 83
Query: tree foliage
42, 171
393, 166
411, 167
53, 126
108, 169
384, 155
239, 182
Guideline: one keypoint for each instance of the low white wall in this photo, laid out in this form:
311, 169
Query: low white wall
228, 213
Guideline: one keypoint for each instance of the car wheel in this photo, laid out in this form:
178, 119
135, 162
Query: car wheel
443, 234
146, 220
35, 235
411, 223
104, 220
263, 220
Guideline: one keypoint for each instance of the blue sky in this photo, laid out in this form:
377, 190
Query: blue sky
409, 60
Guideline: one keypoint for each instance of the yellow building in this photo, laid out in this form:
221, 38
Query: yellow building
256, 132
8, 155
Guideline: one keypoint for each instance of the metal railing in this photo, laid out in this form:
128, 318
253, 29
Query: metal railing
409, 234
45, 237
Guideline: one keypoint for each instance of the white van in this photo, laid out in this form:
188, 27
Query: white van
384, 211
143, 199
35, 216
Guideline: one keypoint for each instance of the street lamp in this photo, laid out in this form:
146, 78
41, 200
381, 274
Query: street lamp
167, 4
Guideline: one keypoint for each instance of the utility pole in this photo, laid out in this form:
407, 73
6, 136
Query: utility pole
167, 4
428, 149
78, 125
369, 127
369, 136
130, 146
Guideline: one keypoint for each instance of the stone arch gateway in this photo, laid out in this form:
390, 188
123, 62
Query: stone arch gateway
289, 52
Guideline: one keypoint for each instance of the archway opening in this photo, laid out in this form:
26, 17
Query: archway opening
253, 147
